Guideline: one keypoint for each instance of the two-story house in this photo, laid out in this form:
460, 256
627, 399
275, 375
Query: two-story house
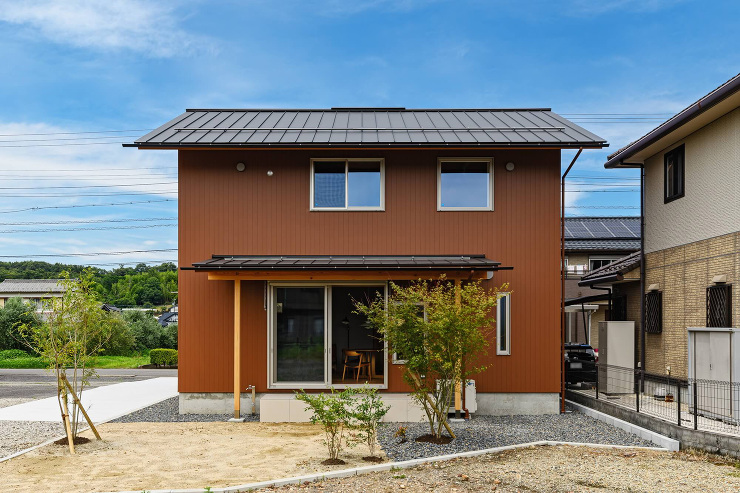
691, 185
30, 290
287, 216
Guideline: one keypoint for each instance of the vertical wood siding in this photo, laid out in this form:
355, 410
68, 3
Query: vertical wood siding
222, 211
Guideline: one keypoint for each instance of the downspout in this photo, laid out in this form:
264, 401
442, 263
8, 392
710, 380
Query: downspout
562, 281
642, 277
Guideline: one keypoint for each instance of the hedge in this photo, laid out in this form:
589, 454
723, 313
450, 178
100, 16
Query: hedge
13, 354
163, 357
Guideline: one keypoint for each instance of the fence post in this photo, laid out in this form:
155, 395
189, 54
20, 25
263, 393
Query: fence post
678, 400
637, 391
597, 381
696, 407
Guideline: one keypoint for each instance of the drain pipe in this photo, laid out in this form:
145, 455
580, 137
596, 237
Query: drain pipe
562, 280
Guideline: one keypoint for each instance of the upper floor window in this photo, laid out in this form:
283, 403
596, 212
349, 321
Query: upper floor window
347, 184
465, 184
598, 262
673, 163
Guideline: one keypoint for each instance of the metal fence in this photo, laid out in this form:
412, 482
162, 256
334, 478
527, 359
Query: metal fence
706, 405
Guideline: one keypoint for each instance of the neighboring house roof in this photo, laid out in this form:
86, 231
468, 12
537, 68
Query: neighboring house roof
602, 233
707, 109
10, 286
345, 262
613, 271
369, 127
109, 308
167, 318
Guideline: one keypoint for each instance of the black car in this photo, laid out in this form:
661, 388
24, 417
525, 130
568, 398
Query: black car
580, 363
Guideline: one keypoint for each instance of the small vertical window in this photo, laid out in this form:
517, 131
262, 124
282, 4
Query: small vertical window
654, 312
719, 305
347, 184
465, 184
503, 324
674, 174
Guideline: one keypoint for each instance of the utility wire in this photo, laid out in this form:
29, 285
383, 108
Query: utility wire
113, 204
81, 133
82, 170
92, 254
115, 194
102, 228
91, 221
93, 186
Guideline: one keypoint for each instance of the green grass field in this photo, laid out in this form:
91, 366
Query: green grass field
100, 362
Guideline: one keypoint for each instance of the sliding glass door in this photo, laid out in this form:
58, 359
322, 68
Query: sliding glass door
300, 332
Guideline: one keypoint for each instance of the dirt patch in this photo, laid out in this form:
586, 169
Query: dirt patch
372, 458
443, 440
148, 456
78, 440
333, 462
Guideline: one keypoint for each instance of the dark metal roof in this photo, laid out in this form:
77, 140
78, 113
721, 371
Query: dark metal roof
369, 127
621, 157
347, 262
586, 299
601, 245
613, 271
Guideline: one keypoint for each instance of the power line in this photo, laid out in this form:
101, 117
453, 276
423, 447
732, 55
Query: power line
115, 194
70, 139
92, 254
82, 170
114, 204
602, 191
602, 206
86, 177
93, 186
91, 221
80, 133
70, 144
102, 228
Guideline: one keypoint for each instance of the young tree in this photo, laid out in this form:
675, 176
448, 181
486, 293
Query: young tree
440, 330
366, 413
73, 332
332, 412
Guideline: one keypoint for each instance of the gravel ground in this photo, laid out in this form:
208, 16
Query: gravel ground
19, 435
551, 469
12, 401
167, 411
483, 432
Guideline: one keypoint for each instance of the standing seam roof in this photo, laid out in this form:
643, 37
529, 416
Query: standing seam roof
370, 128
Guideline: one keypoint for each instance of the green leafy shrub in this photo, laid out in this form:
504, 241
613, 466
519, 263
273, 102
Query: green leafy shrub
13, 354
24, 363
121, 341
330, 410
15, 314
147, 332
163, 357
365, 414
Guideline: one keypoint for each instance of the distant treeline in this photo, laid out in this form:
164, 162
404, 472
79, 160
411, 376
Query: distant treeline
142, 285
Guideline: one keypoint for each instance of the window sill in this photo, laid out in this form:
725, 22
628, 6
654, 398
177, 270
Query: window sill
346, 209
463, 209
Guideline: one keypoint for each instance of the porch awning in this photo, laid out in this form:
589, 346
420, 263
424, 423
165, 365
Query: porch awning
380, 265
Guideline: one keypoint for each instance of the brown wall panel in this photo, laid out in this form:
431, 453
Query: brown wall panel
223, 211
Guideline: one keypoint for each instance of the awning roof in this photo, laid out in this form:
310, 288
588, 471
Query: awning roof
348, 262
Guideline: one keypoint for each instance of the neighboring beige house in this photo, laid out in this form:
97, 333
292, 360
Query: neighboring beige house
691, 167
590, 244
30, 290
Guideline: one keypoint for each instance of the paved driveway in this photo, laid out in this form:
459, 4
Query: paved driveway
38, 384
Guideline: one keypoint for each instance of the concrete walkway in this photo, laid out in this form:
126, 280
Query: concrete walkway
101, 403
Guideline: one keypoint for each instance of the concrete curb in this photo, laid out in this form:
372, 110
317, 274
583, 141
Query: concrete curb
658, 439
343, 473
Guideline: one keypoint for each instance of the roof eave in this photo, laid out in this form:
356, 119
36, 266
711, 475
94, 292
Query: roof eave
293, 145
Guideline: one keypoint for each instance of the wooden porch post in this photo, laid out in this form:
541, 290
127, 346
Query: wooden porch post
458, 384
237, 346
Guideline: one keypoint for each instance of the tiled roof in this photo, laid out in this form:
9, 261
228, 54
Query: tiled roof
621, 266
369, 127
601, 245
31, 286
602, 233
356, 262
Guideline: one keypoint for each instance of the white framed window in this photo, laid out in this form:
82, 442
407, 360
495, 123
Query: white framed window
339, 184
503, 324
465, 184
598, 262
398, 360
311, 329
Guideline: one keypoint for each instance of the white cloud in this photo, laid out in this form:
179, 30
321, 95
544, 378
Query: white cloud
152, 28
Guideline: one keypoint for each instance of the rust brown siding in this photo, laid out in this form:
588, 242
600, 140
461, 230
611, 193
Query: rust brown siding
222, 211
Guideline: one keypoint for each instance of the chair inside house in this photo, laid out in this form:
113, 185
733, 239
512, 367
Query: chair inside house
356, 362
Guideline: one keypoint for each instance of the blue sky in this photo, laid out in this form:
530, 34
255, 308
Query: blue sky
618, 67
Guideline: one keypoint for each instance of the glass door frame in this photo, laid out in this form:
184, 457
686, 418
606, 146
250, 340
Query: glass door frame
271, 343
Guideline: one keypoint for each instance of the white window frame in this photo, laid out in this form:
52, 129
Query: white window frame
395, 359
327, 383
488, 160
346, 162
507, 328
611, 258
